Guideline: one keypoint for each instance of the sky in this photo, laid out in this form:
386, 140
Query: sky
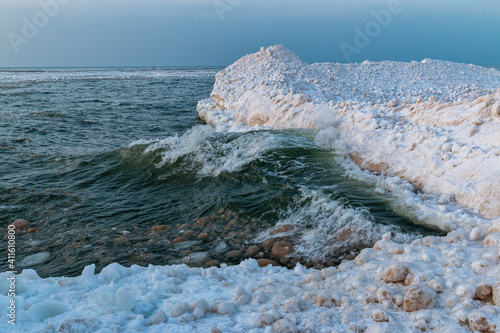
74, 33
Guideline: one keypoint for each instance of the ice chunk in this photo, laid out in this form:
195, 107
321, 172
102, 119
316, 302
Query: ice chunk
158, 318
113, 272
29, 274
34, 259
77, 325
178, 309
226, 308
198, 313
200, 303
103, 298
284, 326
88, 271
46, 309
125, 299
180, 272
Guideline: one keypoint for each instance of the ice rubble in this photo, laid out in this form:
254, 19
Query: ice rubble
442, 284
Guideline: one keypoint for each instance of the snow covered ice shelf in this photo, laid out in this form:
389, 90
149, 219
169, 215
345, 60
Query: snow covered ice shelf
435, 124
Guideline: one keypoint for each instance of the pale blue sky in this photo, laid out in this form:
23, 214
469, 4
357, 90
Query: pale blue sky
218, 32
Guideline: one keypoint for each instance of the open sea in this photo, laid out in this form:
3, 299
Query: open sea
96, 157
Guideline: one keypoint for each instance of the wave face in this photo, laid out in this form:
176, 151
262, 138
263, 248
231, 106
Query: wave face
434, 124
208, 153
321, 220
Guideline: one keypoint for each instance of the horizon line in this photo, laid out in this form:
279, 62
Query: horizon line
181, 66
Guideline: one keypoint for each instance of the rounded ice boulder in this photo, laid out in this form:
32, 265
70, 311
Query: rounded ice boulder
284, 326
395, 273
46, 309
158, 318
125, 299
178, 309
419, 297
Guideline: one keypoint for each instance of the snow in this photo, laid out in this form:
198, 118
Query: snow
448, 268
427, 131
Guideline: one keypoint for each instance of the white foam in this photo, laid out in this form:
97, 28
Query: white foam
209, 153
325, 227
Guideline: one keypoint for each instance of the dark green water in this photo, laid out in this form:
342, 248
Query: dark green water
95, 157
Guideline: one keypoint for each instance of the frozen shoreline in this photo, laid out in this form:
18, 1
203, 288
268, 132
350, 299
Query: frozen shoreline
430, 123
433, 123
453, 280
